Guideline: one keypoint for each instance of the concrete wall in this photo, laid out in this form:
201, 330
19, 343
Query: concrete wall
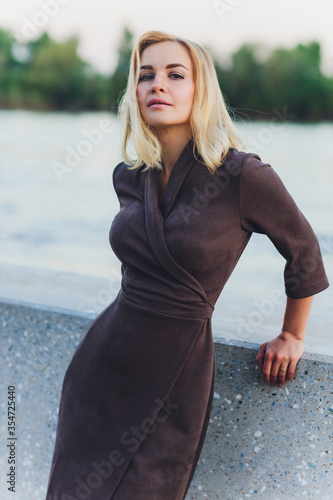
263, 442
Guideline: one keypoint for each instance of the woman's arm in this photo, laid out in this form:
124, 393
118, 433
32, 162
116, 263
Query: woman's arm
265, 206
277, 359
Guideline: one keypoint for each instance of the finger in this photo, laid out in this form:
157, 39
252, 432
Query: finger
291, 369
282, 373
266, 370
274, 372
261, 355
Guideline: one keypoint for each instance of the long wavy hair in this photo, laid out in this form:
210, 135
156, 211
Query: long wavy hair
213, 131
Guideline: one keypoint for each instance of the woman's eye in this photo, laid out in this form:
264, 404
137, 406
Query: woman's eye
143, 77
148, 75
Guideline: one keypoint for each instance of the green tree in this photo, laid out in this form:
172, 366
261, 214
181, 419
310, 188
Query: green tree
118, 80
242, 83
7, 63
293, 78
45, 74
57, 74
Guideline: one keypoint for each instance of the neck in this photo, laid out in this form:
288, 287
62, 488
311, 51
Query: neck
173, 142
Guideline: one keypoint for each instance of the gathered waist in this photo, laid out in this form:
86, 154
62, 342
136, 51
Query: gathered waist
193, 309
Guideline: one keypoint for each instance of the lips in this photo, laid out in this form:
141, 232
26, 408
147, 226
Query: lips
158, 101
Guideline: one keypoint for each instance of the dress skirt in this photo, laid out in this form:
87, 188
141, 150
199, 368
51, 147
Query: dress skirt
135, 406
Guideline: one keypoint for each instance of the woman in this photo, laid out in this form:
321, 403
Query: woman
137, 394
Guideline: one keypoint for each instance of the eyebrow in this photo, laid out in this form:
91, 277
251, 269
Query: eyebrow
172, 65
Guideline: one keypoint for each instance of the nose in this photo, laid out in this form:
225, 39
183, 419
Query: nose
157, 85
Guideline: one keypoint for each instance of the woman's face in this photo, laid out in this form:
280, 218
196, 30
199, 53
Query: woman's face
174, 85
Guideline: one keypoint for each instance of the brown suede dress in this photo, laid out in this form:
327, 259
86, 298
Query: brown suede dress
137, 394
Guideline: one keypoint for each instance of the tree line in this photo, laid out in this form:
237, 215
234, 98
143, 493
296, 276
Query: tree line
47, 75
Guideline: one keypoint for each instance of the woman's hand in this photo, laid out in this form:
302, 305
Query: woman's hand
277, 359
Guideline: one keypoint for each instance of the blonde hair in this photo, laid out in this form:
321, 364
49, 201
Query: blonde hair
213, 131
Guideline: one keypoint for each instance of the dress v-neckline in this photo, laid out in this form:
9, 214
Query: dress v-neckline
159, 198
177, 175
155, 218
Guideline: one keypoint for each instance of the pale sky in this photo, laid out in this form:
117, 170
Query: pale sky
223, 25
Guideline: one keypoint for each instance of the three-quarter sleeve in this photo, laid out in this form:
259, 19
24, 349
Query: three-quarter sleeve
267, 207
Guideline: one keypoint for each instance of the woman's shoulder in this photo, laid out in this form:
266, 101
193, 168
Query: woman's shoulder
123, 168
237, 162
242, 158
123, 174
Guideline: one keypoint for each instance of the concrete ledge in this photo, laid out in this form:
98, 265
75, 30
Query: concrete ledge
263, 442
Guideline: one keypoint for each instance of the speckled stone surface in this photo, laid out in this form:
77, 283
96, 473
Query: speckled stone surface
263, 442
